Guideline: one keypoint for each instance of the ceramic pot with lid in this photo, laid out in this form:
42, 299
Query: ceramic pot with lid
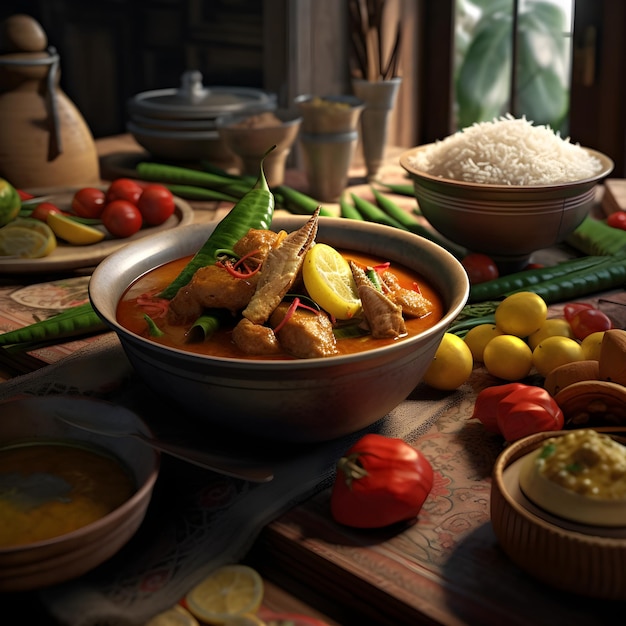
44, 139
180, 123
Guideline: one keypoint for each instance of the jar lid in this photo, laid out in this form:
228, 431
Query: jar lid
194, 101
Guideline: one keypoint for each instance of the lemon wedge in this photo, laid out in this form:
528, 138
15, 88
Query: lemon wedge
74, 232
10, 202
231, 591
328, 279
27, 238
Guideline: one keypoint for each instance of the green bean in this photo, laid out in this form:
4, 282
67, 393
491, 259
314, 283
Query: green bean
527, 278
191, 192
596, 237
254, 210
348, 210
295, 201
373, 213
175, 174
153, 329
400, 189
462, 327
203, 327
78, 320
393, 210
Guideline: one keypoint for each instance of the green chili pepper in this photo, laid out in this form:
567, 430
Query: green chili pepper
596, 237
79, 320
527, 278
254, 210
348, 210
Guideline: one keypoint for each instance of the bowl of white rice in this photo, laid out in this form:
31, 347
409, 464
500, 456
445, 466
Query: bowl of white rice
505, 188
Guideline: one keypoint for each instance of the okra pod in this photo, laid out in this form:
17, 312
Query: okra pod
78, 320
611, 274
525, 279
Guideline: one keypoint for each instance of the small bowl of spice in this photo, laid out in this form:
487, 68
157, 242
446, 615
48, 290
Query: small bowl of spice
249, 137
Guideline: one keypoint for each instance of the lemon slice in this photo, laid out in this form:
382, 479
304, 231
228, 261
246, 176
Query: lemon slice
26, 239
329, 281
10, 202
73, 232
230, 591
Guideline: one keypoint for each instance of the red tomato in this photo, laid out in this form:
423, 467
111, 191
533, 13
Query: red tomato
124, 189
380, 481
42, 210
572, 308
588, 321
617, 220
479, 267
121, 218
156, 204
88, 202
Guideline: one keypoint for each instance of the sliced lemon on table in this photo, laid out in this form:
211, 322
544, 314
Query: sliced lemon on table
74, 232
230, 591
27, 238
329, 281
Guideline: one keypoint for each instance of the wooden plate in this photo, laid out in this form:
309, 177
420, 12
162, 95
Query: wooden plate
68, 257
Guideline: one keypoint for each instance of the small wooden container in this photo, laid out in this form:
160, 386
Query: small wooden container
583, 559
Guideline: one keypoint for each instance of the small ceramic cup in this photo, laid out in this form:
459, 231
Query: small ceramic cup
250, 136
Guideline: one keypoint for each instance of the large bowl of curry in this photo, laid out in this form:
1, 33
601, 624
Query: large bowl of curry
69, 499
281, 397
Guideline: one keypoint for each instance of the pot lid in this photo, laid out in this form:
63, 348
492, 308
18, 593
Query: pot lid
194, 101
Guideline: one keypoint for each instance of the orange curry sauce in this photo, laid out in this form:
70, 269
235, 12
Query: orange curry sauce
131, 316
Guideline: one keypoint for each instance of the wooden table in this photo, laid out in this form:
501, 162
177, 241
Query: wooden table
446, 569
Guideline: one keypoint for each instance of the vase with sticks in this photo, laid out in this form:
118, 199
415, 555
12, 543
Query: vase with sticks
374, 71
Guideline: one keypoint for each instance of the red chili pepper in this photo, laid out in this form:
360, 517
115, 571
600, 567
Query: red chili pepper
380, 481
24, 195
528, 411
486, 405
516, 410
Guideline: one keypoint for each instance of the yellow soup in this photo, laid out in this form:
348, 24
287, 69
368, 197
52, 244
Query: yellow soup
50, 489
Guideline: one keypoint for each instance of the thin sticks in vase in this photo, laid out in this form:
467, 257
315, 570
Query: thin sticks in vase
367, 27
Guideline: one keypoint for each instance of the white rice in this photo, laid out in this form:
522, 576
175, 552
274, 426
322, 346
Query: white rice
507, 151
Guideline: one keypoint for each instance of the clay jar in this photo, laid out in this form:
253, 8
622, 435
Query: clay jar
44, 140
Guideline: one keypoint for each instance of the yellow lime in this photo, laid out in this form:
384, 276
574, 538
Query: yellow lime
521, 314
508, 357
38, 226
591, 345
25, 242
230, 591
556, 326
452, 364
328, 279
74, 232
10, 202
478, 337
555, 351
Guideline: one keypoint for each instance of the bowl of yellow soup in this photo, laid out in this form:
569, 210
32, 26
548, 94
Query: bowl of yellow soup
69, 499
281, 397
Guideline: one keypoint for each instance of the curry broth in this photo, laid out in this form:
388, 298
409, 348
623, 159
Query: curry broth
131, 316
53, 488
